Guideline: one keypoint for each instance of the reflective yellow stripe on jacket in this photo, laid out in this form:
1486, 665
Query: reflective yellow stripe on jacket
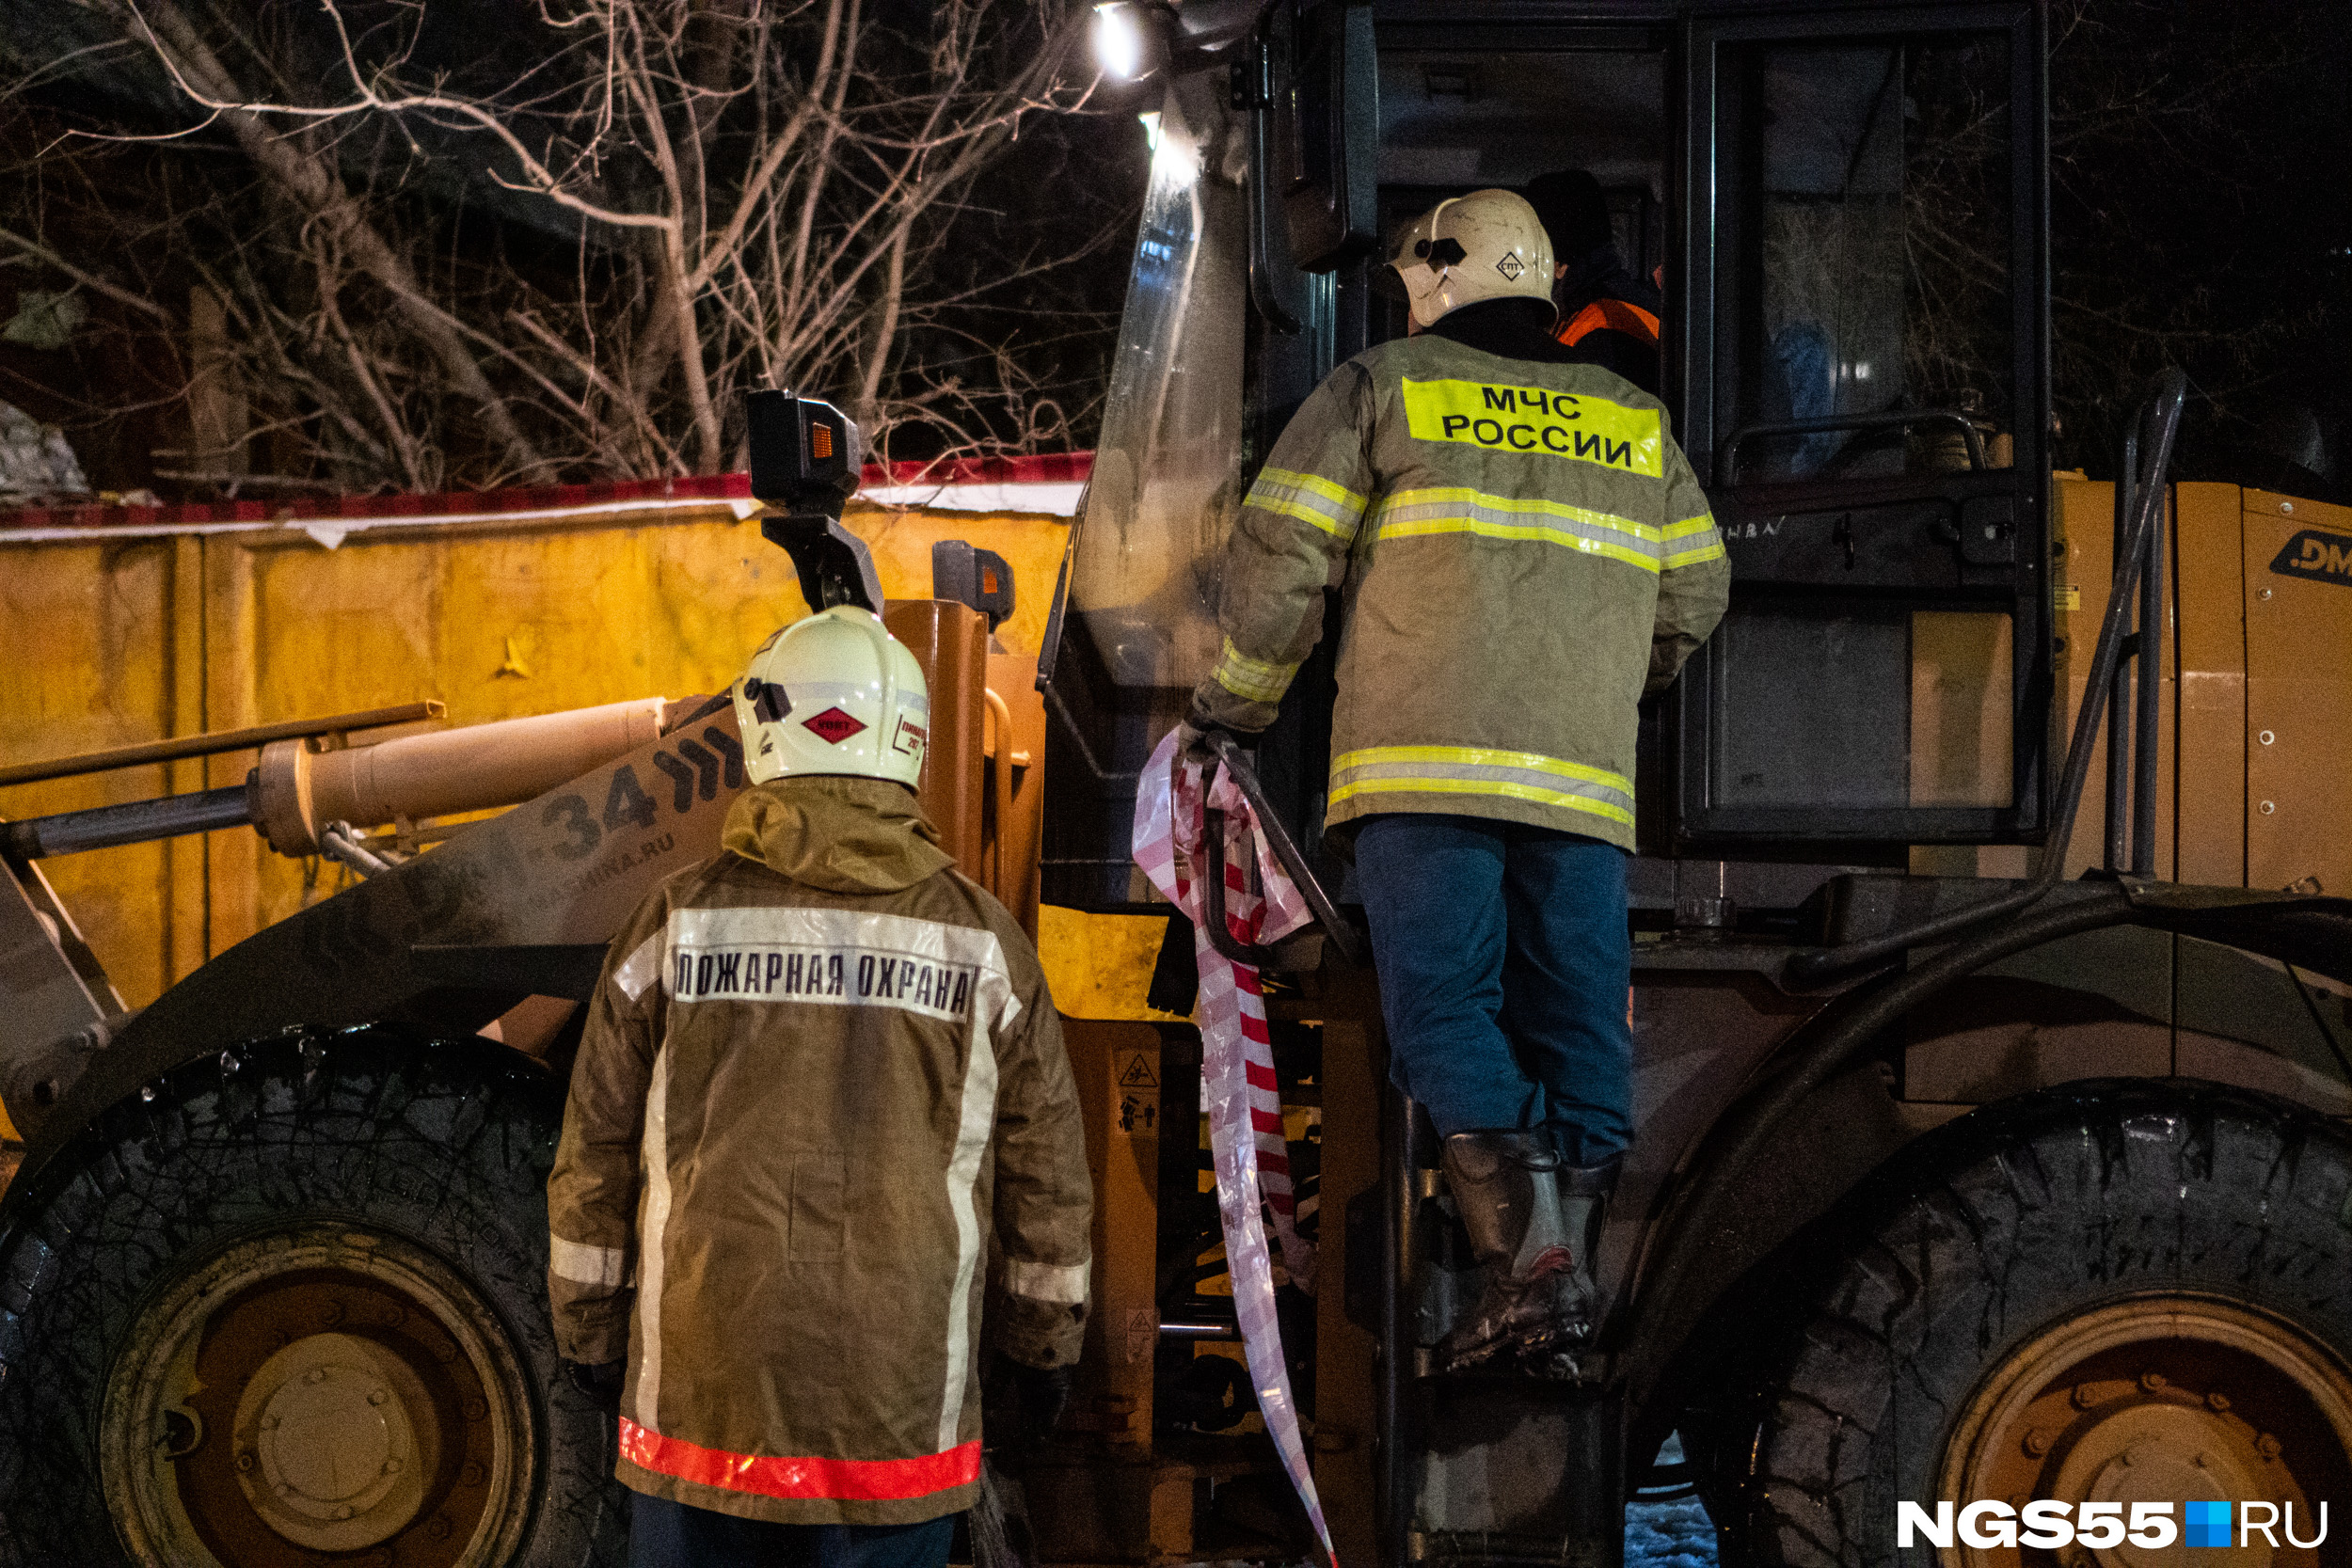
1407, 514
1308, 497
1255, 680
1690, 541
1483, 770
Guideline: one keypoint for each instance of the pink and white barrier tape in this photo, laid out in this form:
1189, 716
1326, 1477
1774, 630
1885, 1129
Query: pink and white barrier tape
1238, 1086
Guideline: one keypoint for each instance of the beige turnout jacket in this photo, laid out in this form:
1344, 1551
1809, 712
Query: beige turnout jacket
1522, 551
823, 1087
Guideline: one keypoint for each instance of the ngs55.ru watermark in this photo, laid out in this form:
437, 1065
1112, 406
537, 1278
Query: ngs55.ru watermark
2049, 1526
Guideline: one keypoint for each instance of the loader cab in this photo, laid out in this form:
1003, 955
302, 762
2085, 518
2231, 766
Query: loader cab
1845, 209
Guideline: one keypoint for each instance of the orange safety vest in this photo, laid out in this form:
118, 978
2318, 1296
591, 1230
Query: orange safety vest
1611, 315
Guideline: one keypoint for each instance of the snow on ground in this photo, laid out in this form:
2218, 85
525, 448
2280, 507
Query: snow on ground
1669, 1535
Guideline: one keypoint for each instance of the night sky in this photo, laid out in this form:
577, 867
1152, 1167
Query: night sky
2199, 202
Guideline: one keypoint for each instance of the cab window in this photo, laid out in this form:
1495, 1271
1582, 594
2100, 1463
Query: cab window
1870, 277
1452, 121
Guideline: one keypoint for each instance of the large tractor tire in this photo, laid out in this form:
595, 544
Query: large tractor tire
2116, 1292
289, 1306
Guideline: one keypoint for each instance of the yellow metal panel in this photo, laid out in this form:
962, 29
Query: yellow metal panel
1031, 544
86, 631
185, 916
2209, 591
2298, 699
117, 641
501, 621
1962, 732
1100, 965
1107, 1060
232, 910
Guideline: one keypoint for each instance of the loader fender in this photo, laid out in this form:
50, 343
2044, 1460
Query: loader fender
1806, 1130
554, 875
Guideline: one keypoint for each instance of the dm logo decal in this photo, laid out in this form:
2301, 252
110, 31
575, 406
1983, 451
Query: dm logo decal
2313, 553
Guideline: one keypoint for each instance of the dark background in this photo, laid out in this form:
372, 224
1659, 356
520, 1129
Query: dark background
2199, 213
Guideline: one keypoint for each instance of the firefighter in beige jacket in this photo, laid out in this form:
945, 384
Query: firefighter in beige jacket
822, 1090
1521, 552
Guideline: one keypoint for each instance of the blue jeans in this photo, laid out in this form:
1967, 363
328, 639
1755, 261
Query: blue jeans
1504, 958
666, 1534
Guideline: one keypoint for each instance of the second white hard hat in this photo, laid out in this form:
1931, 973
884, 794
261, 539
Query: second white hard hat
1488, 245
833, 693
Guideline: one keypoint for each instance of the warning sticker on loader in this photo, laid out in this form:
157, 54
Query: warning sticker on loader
1136, 1094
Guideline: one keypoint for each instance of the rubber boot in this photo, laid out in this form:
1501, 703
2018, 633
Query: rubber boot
1583, 1205
1506, 1187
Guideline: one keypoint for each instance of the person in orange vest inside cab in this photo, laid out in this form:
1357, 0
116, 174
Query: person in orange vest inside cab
1607, 315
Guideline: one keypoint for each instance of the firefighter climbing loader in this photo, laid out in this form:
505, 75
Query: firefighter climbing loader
1988, 1004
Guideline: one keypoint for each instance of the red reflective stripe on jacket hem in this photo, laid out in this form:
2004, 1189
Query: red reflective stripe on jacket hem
1611, 315
836, 1479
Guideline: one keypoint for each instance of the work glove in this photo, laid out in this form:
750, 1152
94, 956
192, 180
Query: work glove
600, 1381
1020, 1404
1193, 743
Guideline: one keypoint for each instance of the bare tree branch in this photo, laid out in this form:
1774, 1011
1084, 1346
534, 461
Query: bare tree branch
569, 249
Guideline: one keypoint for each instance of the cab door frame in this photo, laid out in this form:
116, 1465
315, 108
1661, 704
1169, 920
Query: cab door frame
1702, 377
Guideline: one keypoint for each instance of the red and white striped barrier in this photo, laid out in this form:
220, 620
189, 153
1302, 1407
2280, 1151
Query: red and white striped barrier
1238, 1086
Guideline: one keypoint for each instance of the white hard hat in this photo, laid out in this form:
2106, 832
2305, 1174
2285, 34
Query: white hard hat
1488, 245
834, 693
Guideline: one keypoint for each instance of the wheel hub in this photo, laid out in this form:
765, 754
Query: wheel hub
319, 1392
332, 1424
2156, 1452
2157, 1400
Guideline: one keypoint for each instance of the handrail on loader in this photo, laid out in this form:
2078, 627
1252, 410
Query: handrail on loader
2137, 553
1728, 462
1319, 903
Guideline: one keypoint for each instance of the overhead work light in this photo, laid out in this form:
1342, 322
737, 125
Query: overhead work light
1131, 38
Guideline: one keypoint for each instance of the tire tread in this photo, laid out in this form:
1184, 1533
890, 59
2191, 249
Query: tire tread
1982, 1233
447, 1143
